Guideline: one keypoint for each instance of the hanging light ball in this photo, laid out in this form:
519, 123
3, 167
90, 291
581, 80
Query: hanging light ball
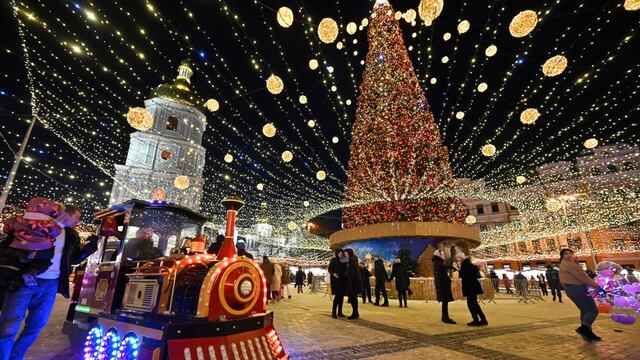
482, 87
348, 102
140, 118
260, 186
464, 26
305, 203
275, 84
212, 105
292, 225
328, 30
470, 220
311, 123
591, 143
398, 15
429, 10
321, 175
284, 17
445, 59
488, 150
433, 81
158, 194
302, 99
228, 158
521, 179
523, 23
339, 45
491, 50
334, 88
631, 5
166, 154
335, 139
459, 115
181, 182
287, 156
313, 64
364, 22
554, 66
446, 36
269, 130
529, 116
410, 16
553, 205
352, 28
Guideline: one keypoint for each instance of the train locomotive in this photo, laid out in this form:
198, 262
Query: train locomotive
140, 298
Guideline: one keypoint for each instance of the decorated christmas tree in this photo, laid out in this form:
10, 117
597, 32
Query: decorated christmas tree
398, 169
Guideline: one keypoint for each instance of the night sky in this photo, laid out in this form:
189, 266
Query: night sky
86, 71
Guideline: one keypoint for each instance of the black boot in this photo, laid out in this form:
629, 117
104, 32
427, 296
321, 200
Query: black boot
448, 321
584, 332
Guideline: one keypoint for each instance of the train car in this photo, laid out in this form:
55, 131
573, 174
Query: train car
151, 292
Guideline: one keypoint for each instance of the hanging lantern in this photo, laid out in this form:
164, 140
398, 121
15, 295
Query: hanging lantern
591, 143
521, 179
482, 87
459, 115
158, 194
446, 36
470, 220
488, 150
165, 154
429, 10
260, 186
523, 23
321, 175
491, 50
269, 130
287, 156
529, 116
228, 158
302, 99
555, 65
285, 17
328, 30
631, 5
275, 84
181, 182
212, 105
313, 64
311, 123
352, 28
140, 118
463, 27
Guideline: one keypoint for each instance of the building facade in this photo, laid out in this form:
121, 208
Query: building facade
170, 149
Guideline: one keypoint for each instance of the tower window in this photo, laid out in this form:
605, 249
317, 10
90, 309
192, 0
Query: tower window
479, 209
494, 207
172, 123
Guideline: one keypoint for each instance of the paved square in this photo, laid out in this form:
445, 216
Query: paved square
543, 330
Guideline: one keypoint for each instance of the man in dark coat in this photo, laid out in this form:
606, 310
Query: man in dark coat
553, 279
38, 300
216, 245
381, 279
240, 245
309, 278
400, 274
443, 284
366, 284
471, 288
354, 283
268, 269
300, 279
338, 273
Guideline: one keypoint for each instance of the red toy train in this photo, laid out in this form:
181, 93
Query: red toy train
150, 291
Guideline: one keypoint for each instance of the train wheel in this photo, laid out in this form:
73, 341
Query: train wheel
129, 347
93, 343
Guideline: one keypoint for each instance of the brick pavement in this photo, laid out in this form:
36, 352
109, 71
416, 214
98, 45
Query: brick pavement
542, 330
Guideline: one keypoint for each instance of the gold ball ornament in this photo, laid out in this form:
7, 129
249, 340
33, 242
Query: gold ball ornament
269, 130
352, 28
228, 158
529, 116
410, 16
463, 26
364, 22
166, 154
470, 220
275, 84
488, 150
521, 179
446, 36
429, 10
284, 17
482, 87
523, 23
212, 105
313, 64
339, 45
554, 66
292, 225
445, 59
260, 186
631, 5
335, 139
328, 30
491, 50
140, 118
302, 99
158, 194
311, 123
459, 115
591, 143
321, 175
553, 205
181, 182
287, 156
433, 81
305, 203
398, 15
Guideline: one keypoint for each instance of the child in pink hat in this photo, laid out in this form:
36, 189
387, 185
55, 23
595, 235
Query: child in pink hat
31, 248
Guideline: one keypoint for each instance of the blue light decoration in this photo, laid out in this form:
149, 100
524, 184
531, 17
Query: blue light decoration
76, 5
3, 93
108, 349
422, 105
380, 58
202, 54
520, 61
93, 343
129, 347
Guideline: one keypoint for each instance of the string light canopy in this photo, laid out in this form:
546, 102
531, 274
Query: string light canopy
328, 30
523, 23
554, 66
140, 118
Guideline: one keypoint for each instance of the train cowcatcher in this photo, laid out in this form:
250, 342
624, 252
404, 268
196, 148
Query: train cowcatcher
140, 298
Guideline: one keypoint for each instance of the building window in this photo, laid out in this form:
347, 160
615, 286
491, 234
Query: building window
511, 207
526, 267
480, 209
619, 244
522, 247
503, 249
483, 227
506, 266
172, 123
551, 245
574, 243
495, 208
536, 246
490, 267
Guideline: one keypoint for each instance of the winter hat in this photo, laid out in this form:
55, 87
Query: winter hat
460, 255
240, 245
41, 209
